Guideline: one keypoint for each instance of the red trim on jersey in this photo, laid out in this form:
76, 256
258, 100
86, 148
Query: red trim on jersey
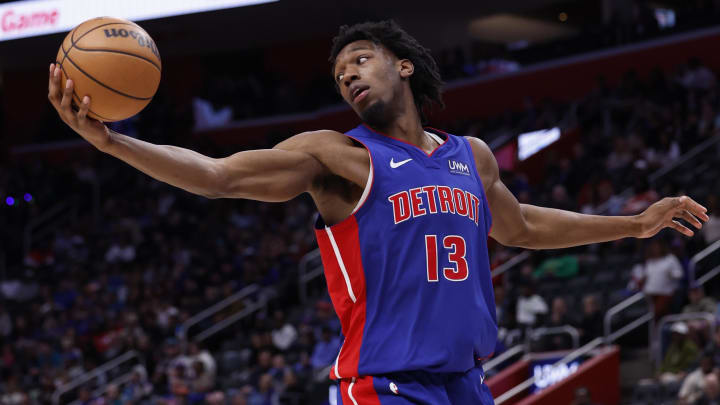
344, 384
364, 391
413, 145
352, 315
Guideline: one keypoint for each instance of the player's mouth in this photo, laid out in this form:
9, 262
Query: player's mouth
358, 93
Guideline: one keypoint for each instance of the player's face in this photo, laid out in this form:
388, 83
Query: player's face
368, 77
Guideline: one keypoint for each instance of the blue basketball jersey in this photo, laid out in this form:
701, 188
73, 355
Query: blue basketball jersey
408, 272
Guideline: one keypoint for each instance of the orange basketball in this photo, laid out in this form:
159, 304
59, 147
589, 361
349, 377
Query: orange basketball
113, 61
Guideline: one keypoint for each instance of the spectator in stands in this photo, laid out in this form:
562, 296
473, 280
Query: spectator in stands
711, 394
558, 317
121, 251
325, 317
215, 398
325, 350
694, 384
582, 397
265, 393
202, 380
531, 307
112, 396
680, 355
138, 387
198, 353
590, 325
284, 334
711, 229
559, 267
292, 390
279, 368
697, 76
657, 276
239, 398
698, 301
262, 367
643, 198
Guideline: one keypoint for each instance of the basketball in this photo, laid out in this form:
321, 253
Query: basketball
114, 62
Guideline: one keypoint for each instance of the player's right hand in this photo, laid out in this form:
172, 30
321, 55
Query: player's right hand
92, 130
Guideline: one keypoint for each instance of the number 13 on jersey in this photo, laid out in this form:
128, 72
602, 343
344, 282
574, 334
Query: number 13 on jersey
455, 247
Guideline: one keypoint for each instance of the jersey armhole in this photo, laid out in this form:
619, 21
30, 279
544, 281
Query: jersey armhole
366, 190
480, 183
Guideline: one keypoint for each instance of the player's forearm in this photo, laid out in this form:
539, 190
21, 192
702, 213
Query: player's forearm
549, 228
176, 166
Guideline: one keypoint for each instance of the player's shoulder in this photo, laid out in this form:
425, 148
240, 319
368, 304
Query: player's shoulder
477, 145
484, 159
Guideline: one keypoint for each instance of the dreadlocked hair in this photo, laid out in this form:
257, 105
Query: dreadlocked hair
425, 81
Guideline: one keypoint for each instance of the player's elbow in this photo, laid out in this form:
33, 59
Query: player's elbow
519, 235
519, 239
217, 183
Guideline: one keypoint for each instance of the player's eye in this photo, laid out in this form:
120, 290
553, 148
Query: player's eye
362, 59
339, 77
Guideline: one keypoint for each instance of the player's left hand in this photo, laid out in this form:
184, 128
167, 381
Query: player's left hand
665, 214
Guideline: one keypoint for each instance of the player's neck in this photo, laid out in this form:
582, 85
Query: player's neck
407, 127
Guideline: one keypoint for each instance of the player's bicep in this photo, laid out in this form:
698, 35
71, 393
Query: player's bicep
509, 224
508, 221
268, 174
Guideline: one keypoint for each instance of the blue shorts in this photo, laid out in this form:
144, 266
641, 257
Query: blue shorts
416, 387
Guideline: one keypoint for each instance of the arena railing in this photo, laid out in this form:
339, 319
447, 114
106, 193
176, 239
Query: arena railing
699, 257
182, 332
309, 268
611, 336
533, 334
96, 372
118, 382
660, 173
503, 357
523, 386
512, 262
48, 222
657, 347
263, 297
538, 333
619, 308
692, 153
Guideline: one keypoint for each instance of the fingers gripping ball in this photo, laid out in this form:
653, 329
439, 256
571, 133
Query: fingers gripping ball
113, 61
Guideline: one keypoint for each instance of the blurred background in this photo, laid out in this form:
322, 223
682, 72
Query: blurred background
118, 289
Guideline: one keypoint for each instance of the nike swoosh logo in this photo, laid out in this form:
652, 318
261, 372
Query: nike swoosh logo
395, 165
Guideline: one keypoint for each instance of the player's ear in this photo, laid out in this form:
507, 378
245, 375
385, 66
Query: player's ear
406, 68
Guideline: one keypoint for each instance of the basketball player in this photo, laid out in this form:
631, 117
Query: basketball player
405, 213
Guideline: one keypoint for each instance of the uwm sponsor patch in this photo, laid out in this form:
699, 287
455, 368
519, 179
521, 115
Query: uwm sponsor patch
458, 167
431, 200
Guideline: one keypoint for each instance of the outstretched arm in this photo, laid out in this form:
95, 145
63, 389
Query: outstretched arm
534, 227
268, 175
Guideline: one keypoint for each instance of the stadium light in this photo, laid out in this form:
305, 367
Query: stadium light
22, 19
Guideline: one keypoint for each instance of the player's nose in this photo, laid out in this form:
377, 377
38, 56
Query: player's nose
350, 77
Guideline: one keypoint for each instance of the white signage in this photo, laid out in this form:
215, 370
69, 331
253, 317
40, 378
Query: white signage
531, 143
21, 19
548, 374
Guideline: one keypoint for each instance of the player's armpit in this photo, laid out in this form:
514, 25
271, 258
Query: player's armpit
271, 175
337, 153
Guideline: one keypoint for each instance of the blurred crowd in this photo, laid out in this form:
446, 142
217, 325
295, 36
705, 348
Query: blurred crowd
267, 93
